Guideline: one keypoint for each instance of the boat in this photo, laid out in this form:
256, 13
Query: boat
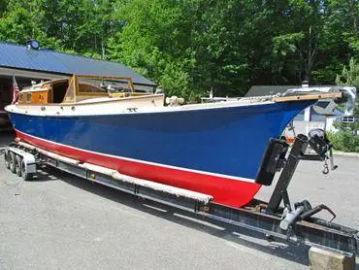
213, 148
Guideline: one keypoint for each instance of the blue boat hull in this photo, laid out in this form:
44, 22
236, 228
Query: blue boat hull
222, 143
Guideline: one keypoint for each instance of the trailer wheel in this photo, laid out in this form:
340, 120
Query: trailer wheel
7, 159
12, 162
25, 175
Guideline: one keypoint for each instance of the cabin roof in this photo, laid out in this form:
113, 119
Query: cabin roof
47, 60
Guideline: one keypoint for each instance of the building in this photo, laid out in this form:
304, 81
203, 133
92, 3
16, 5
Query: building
31, 63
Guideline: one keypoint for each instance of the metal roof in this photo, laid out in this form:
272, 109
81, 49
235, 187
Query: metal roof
21, 57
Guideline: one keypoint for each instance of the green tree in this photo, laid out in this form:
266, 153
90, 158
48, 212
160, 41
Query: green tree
336, 46
80, 26
22, 21
154, 40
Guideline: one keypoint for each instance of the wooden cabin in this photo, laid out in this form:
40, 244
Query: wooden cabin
76, 89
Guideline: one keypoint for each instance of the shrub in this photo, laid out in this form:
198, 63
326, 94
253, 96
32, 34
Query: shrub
344, 141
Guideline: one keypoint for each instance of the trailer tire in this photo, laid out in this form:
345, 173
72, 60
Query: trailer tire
18, 161
7, 160
25, 175
12, 162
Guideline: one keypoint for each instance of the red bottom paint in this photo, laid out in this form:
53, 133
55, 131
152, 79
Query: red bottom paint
225, 191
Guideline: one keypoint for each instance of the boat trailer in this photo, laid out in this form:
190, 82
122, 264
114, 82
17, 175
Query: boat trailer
293, 223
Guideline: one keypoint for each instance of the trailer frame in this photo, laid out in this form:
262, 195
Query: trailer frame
258, 216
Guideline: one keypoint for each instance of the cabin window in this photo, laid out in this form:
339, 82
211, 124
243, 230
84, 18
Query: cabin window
84, 87
91, 89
